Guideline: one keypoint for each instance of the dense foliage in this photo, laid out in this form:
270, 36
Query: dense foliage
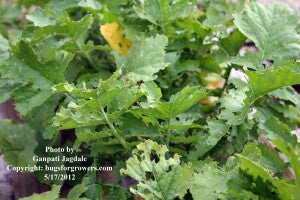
190, 98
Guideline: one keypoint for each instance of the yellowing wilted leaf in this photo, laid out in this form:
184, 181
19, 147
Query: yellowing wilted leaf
113, 33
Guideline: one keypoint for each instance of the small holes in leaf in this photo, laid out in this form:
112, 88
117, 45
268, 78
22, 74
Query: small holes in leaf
169, 169
150, 175
154, 156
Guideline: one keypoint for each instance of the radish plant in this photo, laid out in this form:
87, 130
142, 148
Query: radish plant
184, 99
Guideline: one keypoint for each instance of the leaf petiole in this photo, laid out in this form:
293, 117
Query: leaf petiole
115, 132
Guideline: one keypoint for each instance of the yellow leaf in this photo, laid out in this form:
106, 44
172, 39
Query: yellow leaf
113, 34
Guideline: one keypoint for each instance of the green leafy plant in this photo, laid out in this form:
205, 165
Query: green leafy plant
185, 99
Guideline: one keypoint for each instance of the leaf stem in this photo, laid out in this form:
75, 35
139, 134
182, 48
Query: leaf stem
115, 132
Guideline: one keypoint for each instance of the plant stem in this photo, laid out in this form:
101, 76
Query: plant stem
169, 131
89, 58
115, 132
226, 76
86, 55
161, 137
